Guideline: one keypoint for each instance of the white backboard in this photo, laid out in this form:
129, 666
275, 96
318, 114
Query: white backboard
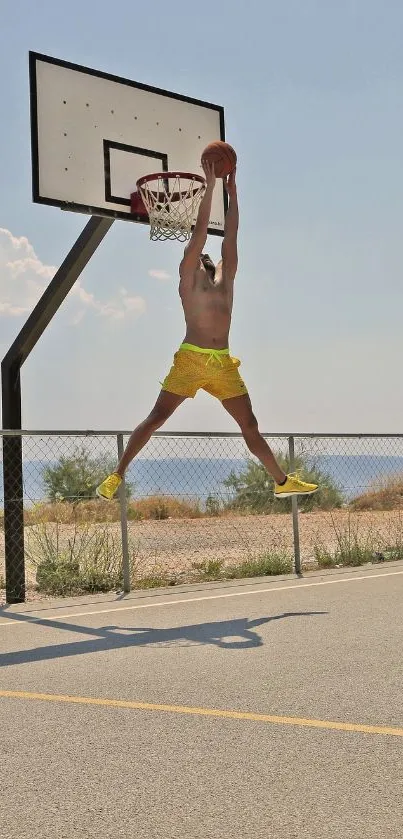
93, 135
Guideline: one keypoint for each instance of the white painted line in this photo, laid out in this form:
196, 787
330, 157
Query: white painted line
26, 620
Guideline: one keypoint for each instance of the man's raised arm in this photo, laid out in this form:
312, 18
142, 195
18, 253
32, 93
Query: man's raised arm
229, 249
196, 244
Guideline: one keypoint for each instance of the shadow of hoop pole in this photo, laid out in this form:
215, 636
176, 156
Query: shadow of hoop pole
64, 279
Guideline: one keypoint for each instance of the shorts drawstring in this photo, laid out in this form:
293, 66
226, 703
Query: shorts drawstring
216, 356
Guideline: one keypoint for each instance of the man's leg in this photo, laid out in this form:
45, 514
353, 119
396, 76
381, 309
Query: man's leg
165, 405
240, 409
286, 486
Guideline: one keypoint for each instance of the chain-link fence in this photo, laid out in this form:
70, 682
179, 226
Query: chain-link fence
193, 506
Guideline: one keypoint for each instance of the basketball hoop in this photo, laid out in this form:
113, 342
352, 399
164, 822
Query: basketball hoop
171, 200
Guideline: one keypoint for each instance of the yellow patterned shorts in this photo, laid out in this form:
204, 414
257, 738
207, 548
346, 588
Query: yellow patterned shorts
212, 370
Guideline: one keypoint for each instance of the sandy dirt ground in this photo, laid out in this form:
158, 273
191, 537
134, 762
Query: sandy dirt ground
175, 546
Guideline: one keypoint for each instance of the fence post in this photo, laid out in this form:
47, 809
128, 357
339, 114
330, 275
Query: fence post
294, 506
123, 524
14, 518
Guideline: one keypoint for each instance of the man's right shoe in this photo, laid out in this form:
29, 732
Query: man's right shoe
109, 486
294, 486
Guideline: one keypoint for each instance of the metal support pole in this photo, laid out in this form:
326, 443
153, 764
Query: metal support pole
294, 507
13, 488
123, 524
40, 317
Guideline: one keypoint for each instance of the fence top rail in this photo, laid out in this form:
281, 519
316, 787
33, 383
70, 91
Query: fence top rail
195, 434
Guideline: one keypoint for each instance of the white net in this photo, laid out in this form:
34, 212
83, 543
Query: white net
172, 200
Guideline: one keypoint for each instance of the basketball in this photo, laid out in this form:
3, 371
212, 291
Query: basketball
222, 155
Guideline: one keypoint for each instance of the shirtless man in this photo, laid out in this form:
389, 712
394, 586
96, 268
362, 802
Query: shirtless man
203, 360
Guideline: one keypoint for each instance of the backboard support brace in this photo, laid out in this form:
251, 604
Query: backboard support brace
51, 300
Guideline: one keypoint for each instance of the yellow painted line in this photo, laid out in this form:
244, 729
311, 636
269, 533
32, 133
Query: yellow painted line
205, 712
26, 618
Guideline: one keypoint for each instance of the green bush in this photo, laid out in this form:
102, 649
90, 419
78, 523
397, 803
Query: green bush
85, 558
324, 558
253, 488
355, 548
62, 578
267, 565
389, 554
351, 549
154, 582
76, 477
348, 556
209, 570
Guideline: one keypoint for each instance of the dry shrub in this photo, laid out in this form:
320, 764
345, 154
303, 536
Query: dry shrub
95, 510
163, 507
387, 496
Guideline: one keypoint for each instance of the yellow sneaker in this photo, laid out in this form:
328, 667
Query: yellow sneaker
109, 486
294, 486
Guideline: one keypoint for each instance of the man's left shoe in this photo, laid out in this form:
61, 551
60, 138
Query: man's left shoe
109, 486
294, 486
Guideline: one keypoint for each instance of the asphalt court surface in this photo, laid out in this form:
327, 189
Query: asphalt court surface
258, 708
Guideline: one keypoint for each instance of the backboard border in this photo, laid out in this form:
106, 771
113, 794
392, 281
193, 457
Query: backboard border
68, 65
112, 144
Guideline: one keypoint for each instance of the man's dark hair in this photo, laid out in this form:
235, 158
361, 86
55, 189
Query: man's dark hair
208, 264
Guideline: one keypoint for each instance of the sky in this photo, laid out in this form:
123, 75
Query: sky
313, 93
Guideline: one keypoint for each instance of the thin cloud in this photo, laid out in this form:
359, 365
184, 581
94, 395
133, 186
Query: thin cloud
113, 309
14, 311
134, 304
23, 277
159, 274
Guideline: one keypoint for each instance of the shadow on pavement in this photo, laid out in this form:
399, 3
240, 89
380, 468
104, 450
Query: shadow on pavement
120, 637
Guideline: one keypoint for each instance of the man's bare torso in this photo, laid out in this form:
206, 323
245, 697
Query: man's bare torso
207, 306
